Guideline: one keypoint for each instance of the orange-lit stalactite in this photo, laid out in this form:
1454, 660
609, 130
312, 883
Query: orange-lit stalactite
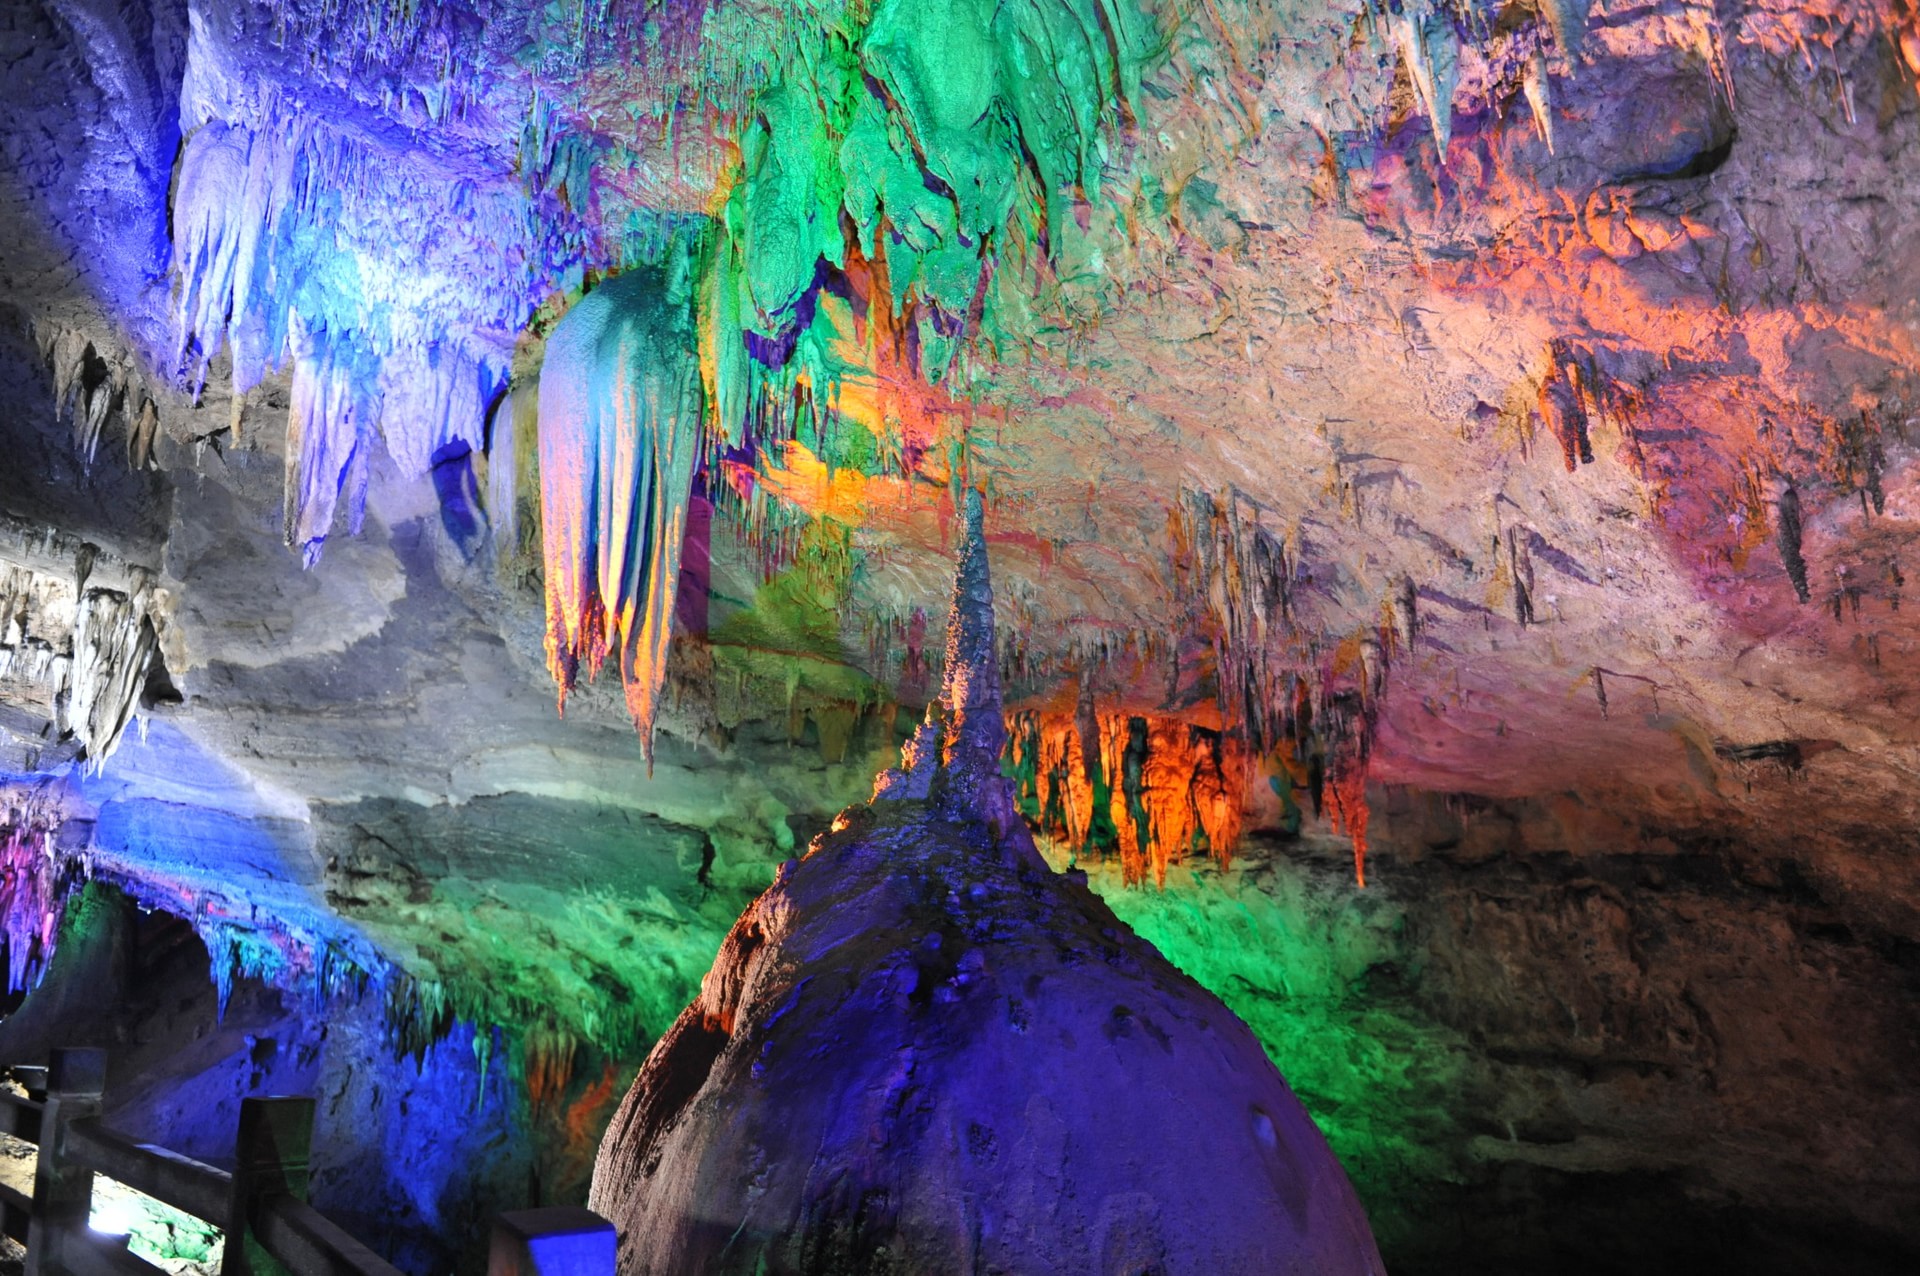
1347, 805
1181, 793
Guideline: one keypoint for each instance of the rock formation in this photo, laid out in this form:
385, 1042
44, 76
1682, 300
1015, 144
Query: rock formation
923, 1051
1463, 447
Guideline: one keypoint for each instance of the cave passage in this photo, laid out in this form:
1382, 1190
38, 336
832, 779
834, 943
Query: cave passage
896, 636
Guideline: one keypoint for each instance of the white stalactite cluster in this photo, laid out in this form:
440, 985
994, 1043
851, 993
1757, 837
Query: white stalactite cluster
78, 630
392, 287
1426, 40
290, 251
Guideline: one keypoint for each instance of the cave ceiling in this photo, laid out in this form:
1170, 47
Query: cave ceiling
1494, 402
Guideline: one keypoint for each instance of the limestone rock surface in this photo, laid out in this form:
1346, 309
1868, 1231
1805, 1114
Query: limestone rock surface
921, 1050
917, 1054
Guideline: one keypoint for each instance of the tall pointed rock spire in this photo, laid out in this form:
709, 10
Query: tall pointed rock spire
970, 686
953, 759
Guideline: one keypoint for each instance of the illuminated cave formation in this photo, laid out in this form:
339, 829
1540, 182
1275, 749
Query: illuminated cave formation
480, 485
902, 1059
619, 426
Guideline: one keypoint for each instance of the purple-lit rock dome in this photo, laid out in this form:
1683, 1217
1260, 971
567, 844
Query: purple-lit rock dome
912, 1056
923, 1051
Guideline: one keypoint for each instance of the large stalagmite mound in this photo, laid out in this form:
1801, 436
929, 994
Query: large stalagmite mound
922, 1051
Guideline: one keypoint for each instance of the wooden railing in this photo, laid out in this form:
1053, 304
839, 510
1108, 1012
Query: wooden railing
260, 1205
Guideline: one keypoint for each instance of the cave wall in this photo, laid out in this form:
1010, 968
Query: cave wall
1614, 1061
1510, 499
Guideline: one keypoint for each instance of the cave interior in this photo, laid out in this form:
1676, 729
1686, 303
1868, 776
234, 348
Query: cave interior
843, 628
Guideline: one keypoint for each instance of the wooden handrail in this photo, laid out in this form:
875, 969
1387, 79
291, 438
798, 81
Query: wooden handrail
16, 1208
62, 1191
311, 1244
20, 1117
257, 1207
179, 1181
94, 1256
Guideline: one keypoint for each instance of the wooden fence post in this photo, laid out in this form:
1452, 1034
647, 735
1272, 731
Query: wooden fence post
558, 1240
275, 1142
63, 1190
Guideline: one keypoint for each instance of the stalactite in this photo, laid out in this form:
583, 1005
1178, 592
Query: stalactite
1569, 21
79, 627
34, 882
1539, 92
1520, 563
1787, 536
1406, 614
295, 242
1098, 831
1423, 35
620, 421
96, 379
1569, 394
549, 1058
867, 157
1177, 788
1347, 801
1021, 764
1242, 575
327, 433
513, 470
141, 438
1856, 458
298, 243
113, 644
1138, 848
1287, 702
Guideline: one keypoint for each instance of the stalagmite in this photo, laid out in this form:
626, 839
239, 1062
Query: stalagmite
921, 1051
970, 684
